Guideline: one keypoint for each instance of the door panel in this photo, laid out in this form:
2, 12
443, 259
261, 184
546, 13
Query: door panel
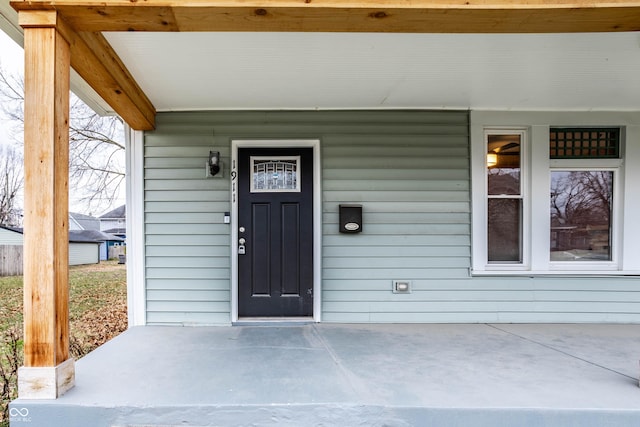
259, 250
275, 226
291, 258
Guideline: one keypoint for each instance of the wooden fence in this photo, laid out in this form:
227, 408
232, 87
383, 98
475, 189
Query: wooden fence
116, 251
11, 257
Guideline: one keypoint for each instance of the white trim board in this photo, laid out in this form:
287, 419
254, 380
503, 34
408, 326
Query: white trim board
317, 215
136, 279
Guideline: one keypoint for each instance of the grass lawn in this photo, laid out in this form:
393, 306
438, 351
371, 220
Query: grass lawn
97, 310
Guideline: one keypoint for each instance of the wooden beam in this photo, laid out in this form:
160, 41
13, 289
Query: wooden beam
404, 16
97, 63
46, 199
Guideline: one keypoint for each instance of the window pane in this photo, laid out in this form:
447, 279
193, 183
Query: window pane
503, 164
582, 143
275, 174
505, 230
581, 215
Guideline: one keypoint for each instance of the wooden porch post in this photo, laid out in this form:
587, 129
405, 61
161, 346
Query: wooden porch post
48, 370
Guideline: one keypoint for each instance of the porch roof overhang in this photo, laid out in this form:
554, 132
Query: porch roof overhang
118, 49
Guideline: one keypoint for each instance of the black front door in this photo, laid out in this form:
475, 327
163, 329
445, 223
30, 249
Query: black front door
275, 232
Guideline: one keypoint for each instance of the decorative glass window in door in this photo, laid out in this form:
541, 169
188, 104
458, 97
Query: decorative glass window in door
275, 174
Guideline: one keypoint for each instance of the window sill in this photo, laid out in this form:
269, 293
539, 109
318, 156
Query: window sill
542, 273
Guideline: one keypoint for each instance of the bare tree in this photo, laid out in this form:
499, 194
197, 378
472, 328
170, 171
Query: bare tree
11, 183
581, 197
12, 104
96, 146
96, 160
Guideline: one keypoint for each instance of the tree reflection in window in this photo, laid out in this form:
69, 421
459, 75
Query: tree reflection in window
580, 209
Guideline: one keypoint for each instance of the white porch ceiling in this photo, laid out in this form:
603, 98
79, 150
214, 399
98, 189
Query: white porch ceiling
201, 71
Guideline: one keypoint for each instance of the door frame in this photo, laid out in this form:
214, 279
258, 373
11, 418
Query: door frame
317, 215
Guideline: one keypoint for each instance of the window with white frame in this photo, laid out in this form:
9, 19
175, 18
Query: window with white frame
550, 203
505, 197
584, 164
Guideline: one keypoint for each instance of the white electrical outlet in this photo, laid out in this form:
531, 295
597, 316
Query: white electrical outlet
401, 287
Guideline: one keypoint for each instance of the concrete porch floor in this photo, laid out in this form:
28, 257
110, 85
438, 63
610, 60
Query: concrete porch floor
354, 375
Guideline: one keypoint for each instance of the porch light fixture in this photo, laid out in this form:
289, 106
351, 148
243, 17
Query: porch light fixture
492, 159
214, 162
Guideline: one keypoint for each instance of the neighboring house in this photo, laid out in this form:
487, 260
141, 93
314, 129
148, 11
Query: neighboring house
78, 221
10, 236
90, 256
73, 224
84, 248
114, 221
363, 176
11, 253
107, 238
84, 245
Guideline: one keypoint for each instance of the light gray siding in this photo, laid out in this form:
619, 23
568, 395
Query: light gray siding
10, 237
413, 184
187, 244
408, 169
84, 253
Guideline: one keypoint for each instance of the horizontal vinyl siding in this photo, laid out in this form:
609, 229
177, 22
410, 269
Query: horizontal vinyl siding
495, 299
393, 158
413, 184
8, 237
410, 172
84, 253
186, 242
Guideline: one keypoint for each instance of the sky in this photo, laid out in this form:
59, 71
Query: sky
12, 60
11, 54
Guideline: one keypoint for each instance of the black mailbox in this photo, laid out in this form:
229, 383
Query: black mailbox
350, 218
